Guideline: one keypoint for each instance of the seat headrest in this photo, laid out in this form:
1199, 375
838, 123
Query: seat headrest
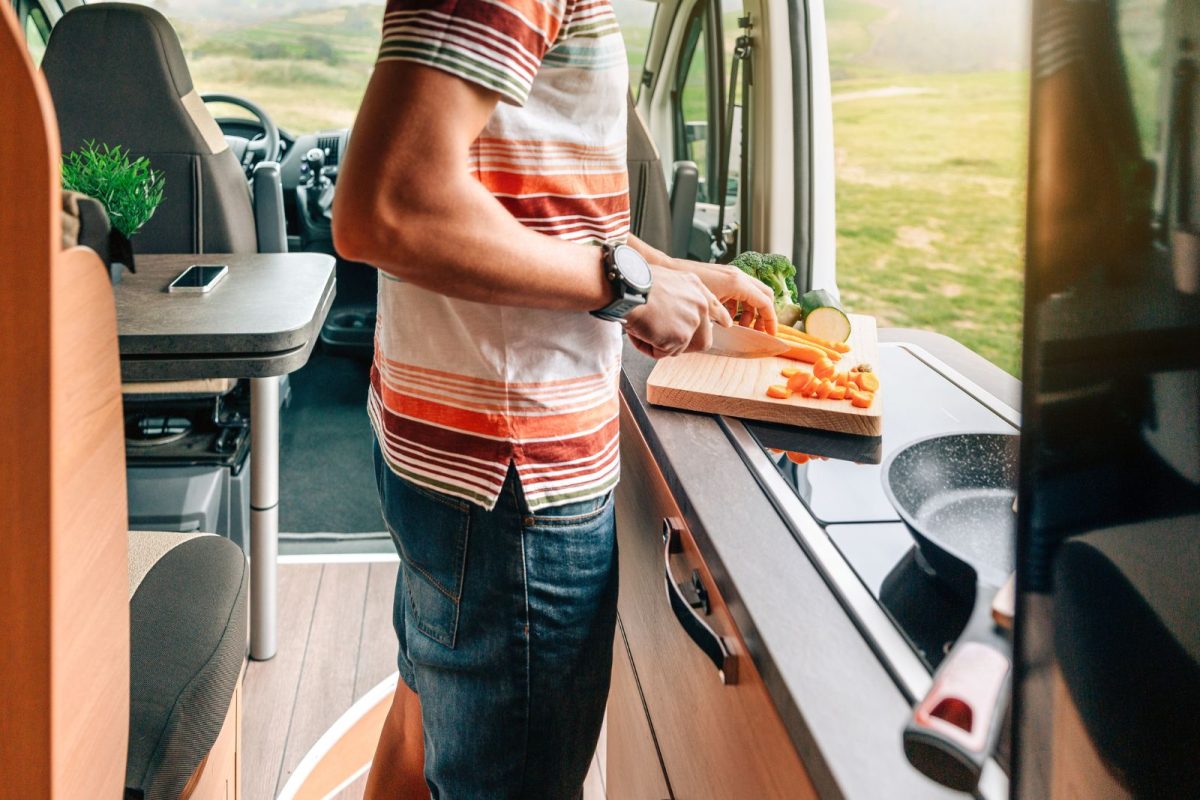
118, 75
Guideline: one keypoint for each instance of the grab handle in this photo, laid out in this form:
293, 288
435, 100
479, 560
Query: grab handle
711, 644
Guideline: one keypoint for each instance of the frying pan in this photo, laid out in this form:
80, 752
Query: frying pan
955, 493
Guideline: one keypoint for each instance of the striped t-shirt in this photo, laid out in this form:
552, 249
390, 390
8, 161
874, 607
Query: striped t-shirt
461, 390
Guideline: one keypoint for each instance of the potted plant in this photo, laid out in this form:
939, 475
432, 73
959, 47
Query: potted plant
129, 190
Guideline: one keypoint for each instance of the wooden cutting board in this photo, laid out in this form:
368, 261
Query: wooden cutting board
737, 387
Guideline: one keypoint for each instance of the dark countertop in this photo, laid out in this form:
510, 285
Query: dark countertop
260, 320
843, 710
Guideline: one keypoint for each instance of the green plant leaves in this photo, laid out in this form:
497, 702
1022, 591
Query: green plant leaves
129, 189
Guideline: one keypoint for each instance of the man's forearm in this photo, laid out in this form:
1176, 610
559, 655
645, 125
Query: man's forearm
658, 257
458, 240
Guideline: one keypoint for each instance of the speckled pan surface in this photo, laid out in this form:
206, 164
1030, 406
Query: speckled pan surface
956, 493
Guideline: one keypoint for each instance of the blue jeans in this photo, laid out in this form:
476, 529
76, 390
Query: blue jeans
505, 621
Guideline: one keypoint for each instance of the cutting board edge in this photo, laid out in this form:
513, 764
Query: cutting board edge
817, 418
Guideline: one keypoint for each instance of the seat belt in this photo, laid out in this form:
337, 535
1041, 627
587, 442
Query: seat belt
724, 238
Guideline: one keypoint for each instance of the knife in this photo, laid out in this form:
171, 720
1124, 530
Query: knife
739, 342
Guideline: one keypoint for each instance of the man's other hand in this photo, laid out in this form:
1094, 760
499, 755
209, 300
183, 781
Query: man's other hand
733, 288
678, 316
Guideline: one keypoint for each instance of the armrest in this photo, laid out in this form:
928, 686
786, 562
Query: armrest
685, 187
269, 219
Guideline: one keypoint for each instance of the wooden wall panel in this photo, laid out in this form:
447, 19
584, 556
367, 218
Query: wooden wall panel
64, 647
27, 199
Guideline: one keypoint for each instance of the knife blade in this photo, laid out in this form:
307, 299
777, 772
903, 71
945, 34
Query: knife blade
739, 342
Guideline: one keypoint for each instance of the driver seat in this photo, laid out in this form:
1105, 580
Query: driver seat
118, 76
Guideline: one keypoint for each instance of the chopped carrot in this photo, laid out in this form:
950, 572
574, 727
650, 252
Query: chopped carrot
838, 393
789, 372
779, 392
861, 399
842, 379
829, 352
839, 347
798, 458
824, 389
823, 368
868, 381
797, 382
789, 332
800, 352
809, 384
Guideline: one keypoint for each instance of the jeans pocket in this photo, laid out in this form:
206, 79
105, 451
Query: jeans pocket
571, 514
431, 531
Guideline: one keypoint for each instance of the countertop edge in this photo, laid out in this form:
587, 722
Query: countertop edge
841, 708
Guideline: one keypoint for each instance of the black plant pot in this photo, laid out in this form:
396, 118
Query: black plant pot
120, 255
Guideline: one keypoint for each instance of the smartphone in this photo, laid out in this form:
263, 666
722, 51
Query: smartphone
198, 278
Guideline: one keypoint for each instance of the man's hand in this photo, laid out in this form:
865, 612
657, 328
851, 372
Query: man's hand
728, 284
732, 286
678, 316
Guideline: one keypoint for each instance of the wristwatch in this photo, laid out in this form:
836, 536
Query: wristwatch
630, 277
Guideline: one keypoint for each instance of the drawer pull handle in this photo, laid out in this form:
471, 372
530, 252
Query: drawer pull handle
693, 624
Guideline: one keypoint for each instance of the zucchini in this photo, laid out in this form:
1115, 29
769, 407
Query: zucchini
824, 316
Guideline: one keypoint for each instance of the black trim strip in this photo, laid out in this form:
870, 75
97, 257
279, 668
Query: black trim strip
802, 159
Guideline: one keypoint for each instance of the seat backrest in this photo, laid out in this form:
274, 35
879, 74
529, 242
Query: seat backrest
649, 201
64, 642
118, 77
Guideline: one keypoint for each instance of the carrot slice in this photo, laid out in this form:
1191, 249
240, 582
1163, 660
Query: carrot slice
840, 347
862, 399
790, 371
868, 381
800, 352
798, 458
824, 389
797, 382
797, 338
838, 393
779, 392
823, 368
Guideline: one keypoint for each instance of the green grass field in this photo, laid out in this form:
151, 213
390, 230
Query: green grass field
930, 185
930, 205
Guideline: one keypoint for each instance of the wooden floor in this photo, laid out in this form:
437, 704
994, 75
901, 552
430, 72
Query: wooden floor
335, 643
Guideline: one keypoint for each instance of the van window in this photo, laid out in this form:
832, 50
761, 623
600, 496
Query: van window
636, 18
693, 105
306, 63
930, 109
37, 33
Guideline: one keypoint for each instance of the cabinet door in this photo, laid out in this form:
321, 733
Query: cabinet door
635, 769
718, 739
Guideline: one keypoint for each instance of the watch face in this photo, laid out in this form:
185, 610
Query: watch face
632, 266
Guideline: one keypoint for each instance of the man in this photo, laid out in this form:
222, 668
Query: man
488, 161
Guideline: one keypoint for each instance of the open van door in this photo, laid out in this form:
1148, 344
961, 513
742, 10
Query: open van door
777, 131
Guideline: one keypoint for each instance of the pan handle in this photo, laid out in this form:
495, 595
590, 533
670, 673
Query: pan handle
953, 730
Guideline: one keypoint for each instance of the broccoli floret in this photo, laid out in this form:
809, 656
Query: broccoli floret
750, 263
778, 273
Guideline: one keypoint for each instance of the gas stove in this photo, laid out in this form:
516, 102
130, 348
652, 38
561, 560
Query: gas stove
834, 503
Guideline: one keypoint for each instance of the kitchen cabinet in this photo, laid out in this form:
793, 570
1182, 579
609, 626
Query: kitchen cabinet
715, 734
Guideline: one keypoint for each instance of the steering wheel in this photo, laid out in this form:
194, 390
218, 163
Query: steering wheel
264, 149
